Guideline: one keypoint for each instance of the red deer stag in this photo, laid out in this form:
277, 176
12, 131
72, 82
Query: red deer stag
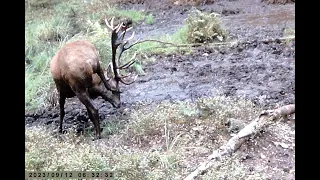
76, 71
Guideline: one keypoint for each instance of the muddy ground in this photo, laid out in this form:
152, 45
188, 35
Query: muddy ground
263, 72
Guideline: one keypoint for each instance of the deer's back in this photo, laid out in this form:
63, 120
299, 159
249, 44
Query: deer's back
75, 62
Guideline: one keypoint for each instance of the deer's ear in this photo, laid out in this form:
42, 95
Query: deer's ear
110, 71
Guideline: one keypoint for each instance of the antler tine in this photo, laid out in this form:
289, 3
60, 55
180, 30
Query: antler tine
124, 76
121, 78
129, 63
110, 64
112, 22
128, 83
111, 27
131, 37
124, 32
108, 25
119, 27
137, 42
123, 43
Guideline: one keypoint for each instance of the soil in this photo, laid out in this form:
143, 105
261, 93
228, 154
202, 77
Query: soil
261, 71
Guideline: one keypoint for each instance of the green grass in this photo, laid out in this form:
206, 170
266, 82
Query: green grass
136, 16
138, 68
149, 19
42, 40
49, 25
37, 89
71, 153
149, 48
289, 32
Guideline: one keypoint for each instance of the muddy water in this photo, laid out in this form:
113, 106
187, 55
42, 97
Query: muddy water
278, 18
260, 71
264, 77
273, 17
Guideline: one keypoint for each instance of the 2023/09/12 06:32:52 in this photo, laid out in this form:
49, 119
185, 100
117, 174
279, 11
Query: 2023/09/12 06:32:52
69, 174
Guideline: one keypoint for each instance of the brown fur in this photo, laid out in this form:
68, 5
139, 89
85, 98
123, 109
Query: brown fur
76, 71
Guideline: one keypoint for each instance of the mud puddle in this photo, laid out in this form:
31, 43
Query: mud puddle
256, 73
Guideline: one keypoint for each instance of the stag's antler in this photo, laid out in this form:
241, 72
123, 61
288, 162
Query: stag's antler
116, 41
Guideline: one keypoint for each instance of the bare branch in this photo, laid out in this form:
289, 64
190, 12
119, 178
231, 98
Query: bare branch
210, 44
236, 141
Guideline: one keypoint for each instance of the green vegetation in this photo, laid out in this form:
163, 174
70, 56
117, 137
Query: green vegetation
289, 34
136, 16
199, 27
148, 48
204, 28
149, 19
50, 24
157, 142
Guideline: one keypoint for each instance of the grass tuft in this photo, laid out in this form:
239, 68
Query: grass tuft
149, 19
204, 27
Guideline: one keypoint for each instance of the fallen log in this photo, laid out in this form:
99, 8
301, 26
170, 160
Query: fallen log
265, 118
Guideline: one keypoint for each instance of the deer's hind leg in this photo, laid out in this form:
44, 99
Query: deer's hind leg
62, 100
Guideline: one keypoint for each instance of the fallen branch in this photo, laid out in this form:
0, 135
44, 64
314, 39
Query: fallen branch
168, 43
235, 42
236, 141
